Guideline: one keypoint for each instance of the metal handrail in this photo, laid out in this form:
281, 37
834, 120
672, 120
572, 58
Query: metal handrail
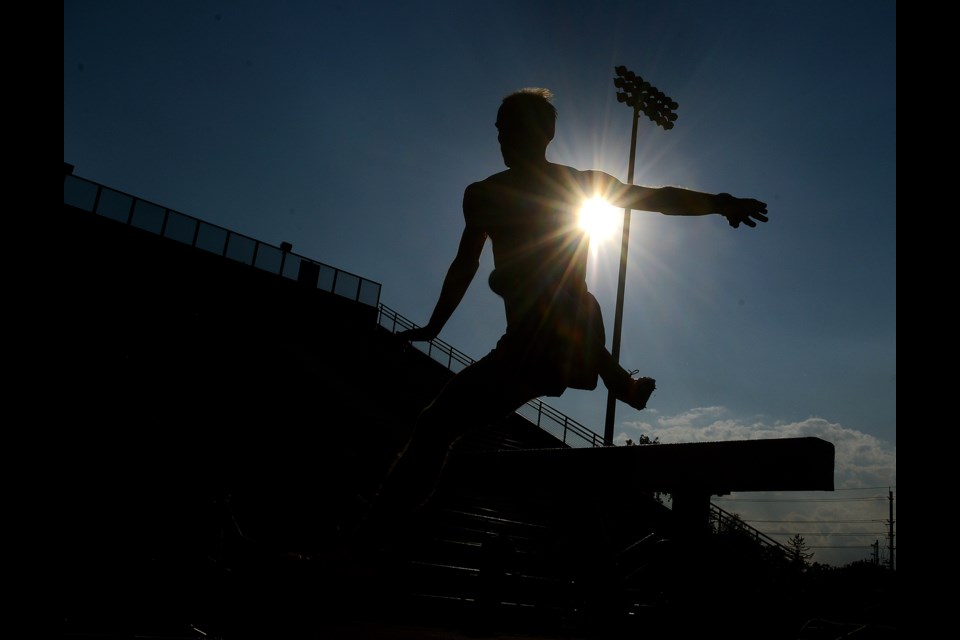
563, 427
136, 212
724, 520
133, 211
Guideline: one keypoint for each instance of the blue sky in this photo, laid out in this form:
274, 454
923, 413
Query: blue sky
350, 129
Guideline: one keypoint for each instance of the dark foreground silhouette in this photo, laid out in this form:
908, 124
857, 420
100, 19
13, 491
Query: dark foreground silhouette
555, 338
180, 510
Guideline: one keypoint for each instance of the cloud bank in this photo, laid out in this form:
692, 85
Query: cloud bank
840, 526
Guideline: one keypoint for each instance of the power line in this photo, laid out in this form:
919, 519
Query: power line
883, 488
862, 546
854, 499
832, 534
815, 521
826, 537
877, 498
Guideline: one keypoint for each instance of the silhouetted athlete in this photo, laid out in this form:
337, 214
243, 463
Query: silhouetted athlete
554, 338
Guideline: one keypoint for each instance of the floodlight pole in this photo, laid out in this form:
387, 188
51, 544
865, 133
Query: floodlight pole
621, 286
641, 96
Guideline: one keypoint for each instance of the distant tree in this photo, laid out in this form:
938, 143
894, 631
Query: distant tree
801, 553
642, 440
818, 568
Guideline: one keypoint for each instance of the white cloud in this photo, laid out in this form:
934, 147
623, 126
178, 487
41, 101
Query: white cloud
854, 516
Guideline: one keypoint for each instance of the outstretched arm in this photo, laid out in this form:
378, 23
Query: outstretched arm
455, 284
676, 201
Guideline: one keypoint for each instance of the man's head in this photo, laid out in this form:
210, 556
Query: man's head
526, 124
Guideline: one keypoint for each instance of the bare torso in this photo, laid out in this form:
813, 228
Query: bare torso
538, 249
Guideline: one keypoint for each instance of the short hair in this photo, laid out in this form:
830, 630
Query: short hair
534, 107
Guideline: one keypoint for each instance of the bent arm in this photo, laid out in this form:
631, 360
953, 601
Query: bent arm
457, 281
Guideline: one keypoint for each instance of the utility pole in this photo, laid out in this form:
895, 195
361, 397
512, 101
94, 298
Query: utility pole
890, 521
643, 97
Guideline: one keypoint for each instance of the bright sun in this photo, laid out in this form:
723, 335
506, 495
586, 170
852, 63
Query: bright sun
598, 218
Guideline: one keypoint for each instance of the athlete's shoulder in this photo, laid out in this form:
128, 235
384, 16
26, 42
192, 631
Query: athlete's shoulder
594, 181
496, 179
476, 200
586, 174
486, 188
572, 174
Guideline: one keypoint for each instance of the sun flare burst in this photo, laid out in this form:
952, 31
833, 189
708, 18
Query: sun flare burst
598, 218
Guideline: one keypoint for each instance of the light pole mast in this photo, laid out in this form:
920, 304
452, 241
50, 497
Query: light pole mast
644, 98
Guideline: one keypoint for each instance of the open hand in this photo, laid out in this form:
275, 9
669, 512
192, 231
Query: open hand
741, 210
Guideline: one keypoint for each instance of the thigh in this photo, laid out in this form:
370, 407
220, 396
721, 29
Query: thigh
485, 391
